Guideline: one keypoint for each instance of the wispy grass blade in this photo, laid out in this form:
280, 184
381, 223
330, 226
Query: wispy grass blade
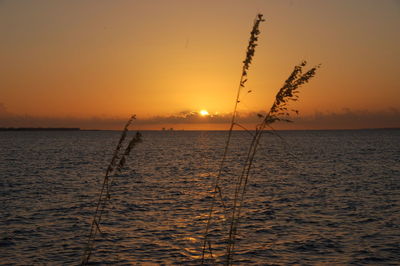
254, 34
104, 196
278, 112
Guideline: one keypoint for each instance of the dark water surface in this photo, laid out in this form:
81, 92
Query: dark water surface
319, 197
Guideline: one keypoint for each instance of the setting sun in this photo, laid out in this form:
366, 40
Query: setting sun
204, 113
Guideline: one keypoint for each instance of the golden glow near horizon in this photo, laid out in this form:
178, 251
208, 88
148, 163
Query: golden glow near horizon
204, 112
104, 60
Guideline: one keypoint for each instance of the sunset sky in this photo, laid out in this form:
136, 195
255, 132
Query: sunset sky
91, 64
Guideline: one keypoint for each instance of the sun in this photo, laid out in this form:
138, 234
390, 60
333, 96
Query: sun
204, 112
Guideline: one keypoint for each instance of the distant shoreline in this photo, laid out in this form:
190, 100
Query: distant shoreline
176, 130
39, 129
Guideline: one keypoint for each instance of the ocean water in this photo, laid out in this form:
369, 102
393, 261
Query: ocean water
314, 197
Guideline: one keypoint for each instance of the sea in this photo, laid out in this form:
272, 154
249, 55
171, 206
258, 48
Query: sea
313, 198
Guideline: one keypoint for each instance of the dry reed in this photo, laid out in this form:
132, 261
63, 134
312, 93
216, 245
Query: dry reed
116, 165
243, 79
279, 111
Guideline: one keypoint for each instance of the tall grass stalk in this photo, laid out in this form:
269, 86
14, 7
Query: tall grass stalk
278, 112
116, 165
243, 79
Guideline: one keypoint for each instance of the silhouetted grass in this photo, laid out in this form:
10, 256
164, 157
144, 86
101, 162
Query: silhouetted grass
243, 79
279, 111
116, 165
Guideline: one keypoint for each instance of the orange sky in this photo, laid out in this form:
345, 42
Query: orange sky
65, 62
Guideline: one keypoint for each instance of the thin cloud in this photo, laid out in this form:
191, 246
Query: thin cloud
3, 111
346, 119
351, 119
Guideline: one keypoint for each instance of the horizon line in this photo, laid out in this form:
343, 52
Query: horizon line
180, 130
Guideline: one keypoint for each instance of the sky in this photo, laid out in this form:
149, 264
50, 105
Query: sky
92, 64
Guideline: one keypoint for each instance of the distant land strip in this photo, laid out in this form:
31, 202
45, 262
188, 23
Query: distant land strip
39, 129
